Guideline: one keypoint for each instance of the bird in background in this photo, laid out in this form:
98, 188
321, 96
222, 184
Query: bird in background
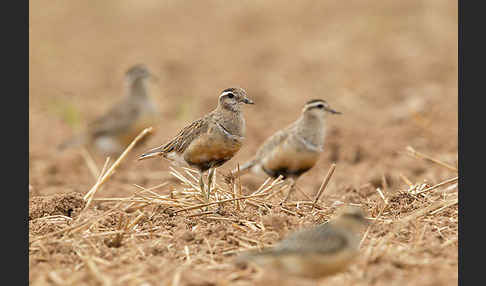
315, 252
210, 141
294, 150
112, 132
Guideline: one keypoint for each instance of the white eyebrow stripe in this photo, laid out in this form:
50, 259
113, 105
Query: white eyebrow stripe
226, 92
314, 104
310, 106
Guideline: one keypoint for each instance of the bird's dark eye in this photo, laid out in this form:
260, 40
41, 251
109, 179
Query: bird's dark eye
320, 106
230, 95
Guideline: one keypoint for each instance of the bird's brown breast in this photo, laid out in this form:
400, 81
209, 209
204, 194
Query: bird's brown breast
211, 150
288, 160
312, 265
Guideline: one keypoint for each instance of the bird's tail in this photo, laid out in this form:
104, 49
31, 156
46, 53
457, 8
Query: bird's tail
245, 168
255, 256
156, 152
72, 142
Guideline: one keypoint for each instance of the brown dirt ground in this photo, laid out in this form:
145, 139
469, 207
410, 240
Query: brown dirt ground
389, 66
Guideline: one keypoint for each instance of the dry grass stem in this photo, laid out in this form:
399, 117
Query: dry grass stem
382, 196
93, 169
188, 256
417, 154
88, 197
451, 203
184, 180
263, 188
103, 170
324, 184
450, 188
135, 221
237, 202
384, 183
406, 180
453, 180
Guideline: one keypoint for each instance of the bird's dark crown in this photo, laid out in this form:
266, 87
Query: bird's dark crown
235, 90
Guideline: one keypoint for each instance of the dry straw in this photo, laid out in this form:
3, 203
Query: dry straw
245, 228
104, 176
324, 184
416, 154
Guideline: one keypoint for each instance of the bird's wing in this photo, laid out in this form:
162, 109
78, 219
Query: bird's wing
180, 142
187, 135
265, 149
118, 119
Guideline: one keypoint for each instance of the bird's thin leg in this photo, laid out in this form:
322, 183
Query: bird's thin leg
210, 180
291, 190
201, 184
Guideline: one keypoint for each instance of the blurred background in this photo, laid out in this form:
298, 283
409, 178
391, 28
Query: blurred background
389, 66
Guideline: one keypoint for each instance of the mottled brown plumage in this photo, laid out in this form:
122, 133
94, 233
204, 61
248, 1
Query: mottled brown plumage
212, 140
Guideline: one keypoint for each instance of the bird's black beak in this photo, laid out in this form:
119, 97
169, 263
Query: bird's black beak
332, 110
246, 100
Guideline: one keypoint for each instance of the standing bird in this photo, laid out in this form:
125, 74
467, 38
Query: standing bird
111, 133
316, 252
210, 141
294, 150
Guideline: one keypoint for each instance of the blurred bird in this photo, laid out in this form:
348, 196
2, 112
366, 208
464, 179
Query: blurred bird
111, 133
294, 150
210, 141
316, 252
